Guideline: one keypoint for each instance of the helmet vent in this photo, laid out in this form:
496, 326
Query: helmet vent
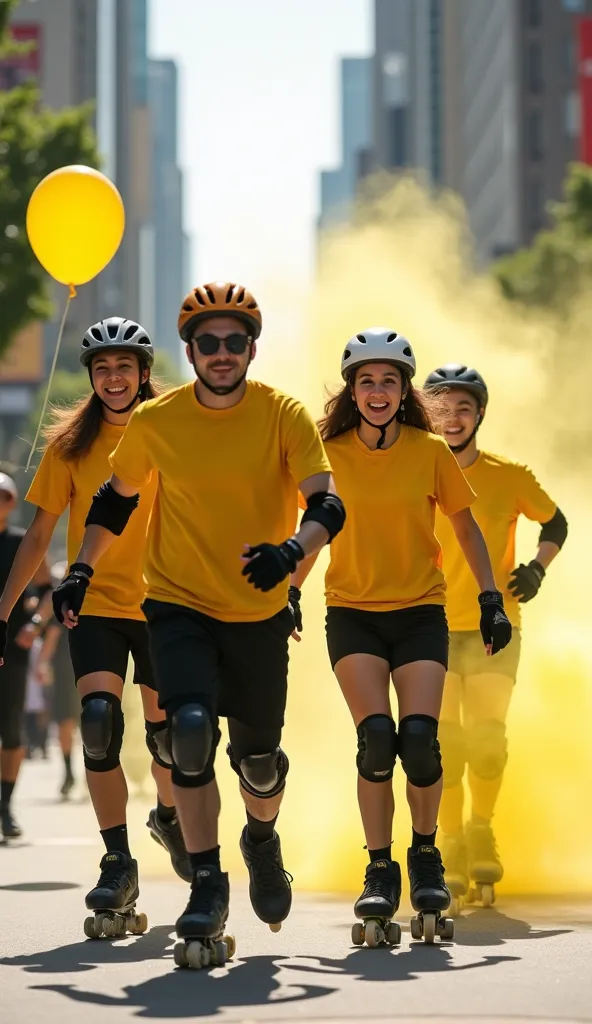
393, 337
199, 298
130, 332
210, 295
96, 334
407, 352
346, 354
252, 305
112, 330
362, 339
187, 308
241, 296
229, 294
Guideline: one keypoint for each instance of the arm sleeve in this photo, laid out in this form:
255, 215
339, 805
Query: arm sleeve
51, 487
452, 489
131, 461
305, 453
533, 502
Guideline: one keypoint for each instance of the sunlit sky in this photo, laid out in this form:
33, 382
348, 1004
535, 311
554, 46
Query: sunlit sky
259, 115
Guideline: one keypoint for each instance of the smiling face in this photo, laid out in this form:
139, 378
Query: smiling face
222, 369
460, 412
378, 391
116, 377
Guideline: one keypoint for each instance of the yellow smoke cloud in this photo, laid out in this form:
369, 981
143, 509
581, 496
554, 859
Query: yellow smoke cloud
404, 263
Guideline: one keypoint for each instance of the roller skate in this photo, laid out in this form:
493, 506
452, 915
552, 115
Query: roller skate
454, 855
200, 929
169, 835
485, 867
377, 906
269, 884
67, 785
113, 900
10, 829
429, 895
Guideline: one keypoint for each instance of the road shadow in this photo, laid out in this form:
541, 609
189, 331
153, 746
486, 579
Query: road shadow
91, 953
248, 983
39, 886
492, 928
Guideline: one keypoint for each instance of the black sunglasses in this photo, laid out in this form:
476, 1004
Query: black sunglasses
209, 344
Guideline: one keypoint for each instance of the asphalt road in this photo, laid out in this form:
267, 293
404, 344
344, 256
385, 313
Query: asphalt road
524, 960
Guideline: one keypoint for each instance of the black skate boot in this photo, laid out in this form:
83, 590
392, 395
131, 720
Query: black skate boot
377, 905
67, 785
269, 884
10, 829
429, 894
200, 929
485, 867
169, 835
114, 900
454, 855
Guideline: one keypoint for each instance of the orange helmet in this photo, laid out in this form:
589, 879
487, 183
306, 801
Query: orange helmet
221, 298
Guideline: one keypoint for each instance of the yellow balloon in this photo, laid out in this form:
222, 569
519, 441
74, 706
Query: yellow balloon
75, 223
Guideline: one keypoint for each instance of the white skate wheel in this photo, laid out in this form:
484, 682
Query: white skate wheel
429, 928
89, 928
109, 927
230, 946
276, 926
373, 934
416, 929
197, 956
393, 933
180, 953
487, 895
357, 934
446, 928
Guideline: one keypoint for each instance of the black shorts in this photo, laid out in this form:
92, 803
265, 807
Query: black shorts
398, 637
101, 644
468, 656
13, 688
242, 667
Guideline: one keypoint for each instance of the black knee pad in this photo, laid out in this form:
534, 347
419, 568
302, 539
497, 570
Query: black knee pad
159, 743
101, 731
453, 748
194, 736
419, 750
377, 748
262, 775
487, 749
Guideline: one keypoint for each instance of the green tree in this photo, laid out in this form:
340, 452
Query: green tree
558, 264
34, 141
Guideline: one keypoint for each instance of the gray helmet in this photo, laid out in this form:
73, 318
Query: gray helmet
115, 332
378, 345
455, 375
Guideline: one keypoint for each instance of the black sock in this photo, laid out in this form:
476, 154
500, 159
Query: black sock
68, 763
383, 854
260, 831
419, 840
115, 839
165, 813
6, 789
205, 857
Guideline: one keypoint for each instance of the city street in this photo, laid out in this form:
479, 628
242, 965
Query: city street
524, 960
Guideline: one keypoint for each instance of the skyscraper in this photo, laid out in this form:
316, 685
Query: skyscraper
338, 187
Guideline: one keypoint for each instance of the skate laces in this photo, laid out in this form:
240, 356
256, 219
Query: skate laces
204, 888
113, 869
427, 861
378, 882
267, 868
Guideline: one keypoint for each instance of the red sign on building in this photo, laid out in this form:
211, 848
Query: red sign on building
20, 67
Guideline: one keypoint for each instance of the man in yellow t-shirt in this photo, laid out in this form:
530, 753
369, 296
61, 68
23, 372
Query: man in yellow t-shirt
231, 456
478, 689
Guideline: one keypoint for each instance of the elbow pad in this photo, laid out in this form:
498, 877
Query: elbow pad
111, 510
326, 509
555, 531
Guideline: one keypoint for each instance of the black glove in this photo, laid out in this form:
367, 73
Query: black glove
495, 624
294, 596
526, 580
271, 563
3, 637
71, 591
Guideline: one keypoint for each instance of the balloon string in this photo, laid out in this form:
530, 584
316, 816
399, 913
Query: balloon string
71, 295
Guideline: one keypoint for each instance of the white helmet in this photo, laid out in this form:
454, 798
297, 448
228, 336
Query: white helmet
115, 332
378, 345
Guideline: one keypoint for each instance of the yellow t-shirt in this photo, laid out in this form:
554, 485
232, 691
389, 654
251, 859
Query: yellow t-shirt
227, 477
387, 556
504, 490
117, 588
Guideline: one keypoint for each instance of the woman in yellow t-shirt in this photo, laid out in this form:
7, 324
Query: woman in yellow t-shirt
119, 355
478, 690
385, 617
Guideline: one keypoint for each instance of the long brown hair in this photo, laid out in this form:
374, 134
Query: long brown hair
75, 428
342, 414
